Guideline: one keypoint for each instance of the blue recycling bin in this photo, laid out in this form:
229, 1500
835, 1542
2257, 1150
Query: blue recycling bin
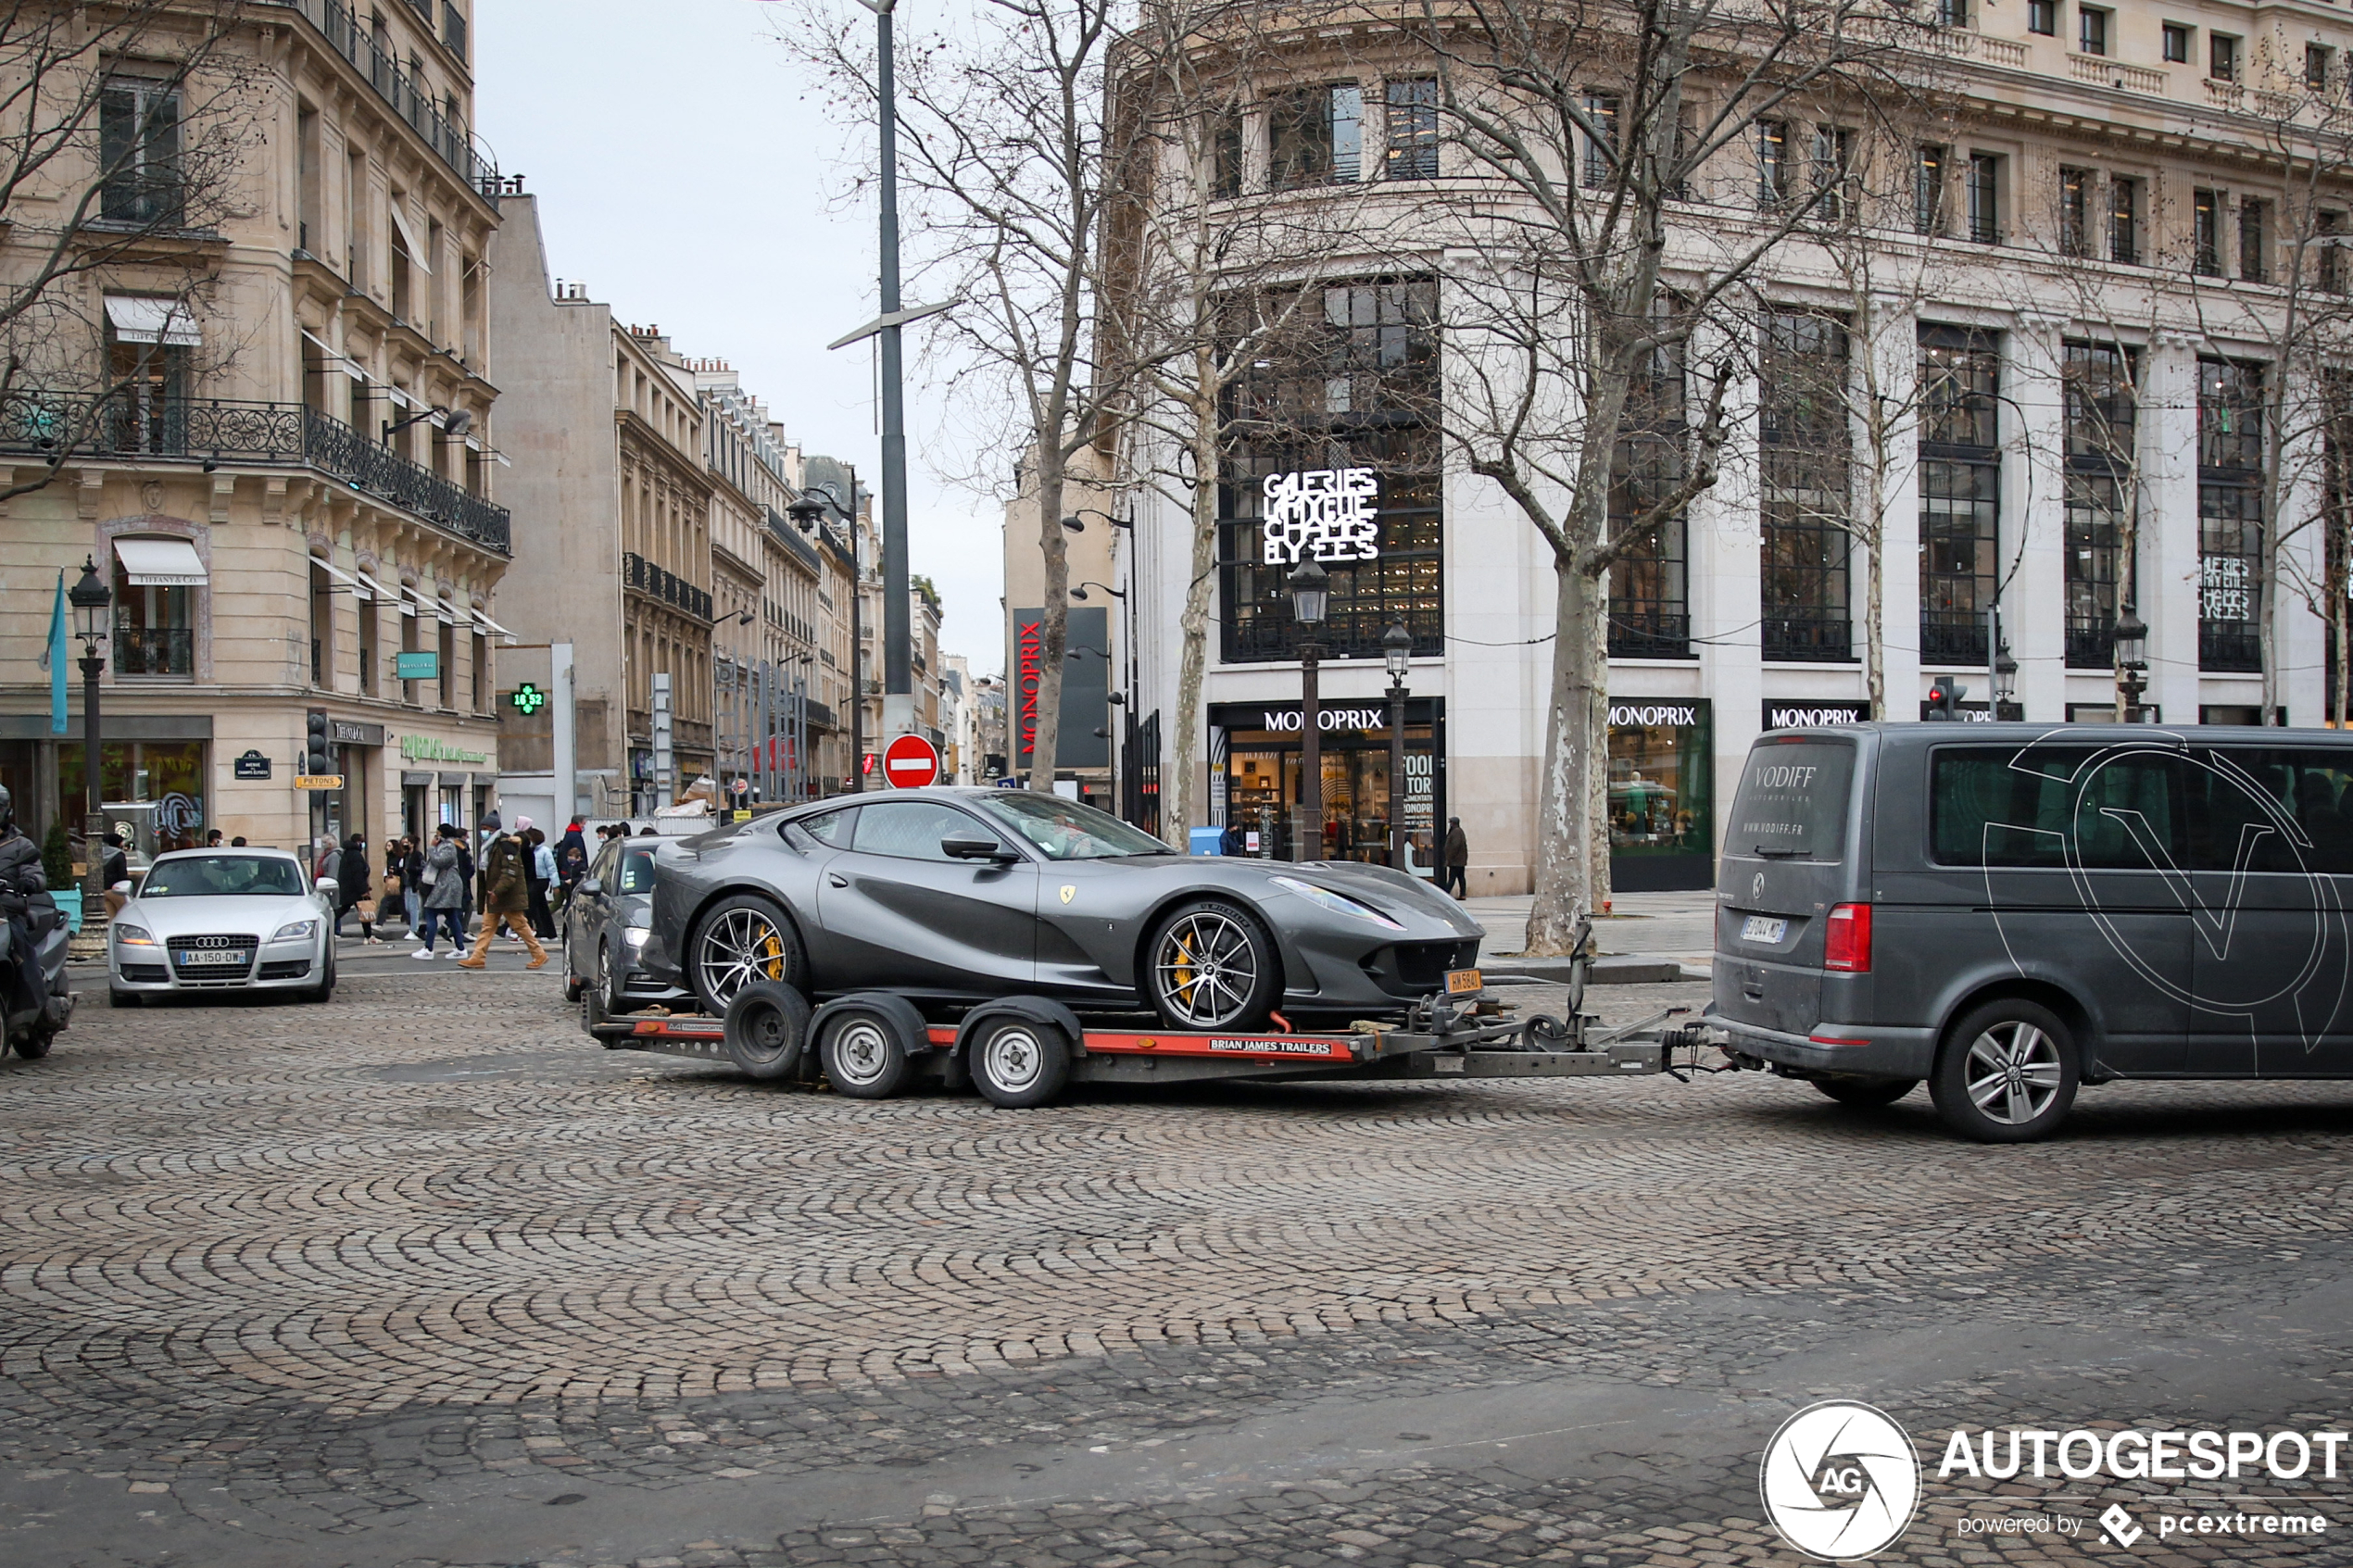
1209, 841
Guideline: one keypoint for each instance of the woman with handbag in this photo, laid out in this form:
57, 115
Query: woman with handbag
443, 879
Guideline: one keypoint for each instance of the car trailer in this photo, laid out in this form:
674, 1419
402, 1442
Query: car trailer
1020, 1051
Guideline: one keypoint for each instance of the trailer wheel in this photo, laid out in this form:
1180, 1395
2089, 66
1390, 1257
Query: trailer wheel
764, 1028
863, 1054
1019, 1063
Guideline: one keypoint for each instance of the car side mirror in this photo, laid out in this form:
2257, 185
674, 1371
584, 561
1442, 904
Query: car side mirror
590, 887
124, 887
977, 849
326, 886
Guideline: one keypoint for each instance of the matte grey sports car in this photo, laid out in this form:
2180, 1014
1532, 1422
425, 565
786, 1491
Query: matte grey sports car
956, 894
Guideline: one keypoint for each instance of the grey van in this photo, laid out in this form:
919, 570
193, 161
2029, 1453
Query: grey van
2010, 912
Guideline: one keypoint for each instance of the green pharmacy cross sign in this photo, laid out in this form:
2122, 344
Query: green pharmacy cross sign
528, 699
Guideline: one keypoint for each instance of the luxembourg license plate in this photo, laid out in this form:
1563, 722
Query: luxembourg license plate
212, 956
1464, 983
1764, 928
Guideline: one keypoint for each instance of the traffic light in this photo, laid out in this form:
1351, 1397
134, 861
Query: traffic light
317, 744
1944, 699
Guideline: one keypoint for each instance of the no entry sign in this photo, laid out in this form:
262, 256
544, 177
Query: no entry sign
911, 762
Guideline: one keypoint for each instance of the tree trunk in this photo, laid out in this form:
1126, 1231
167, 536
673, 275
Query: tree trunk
1193, 620
1054, 635
1575, 766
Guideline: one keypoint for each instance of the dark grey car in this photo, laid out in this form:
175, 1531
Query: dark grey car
604, 924
2010, 912
951, 895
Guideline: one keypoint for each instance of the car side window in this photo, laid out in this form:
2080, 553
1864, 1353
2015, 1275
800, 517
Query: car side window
831, 828
2012, 806
911, 829
637, 872
2257, 801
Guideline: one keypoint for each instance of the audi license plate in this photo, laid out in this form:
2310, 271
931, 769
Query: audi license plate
1764, 928
1464, 983
210, 956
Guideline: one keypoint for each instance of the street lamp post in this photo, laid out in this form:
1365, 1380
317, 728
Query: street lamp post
1397, 646
94, 624
1310, 592
2132, 666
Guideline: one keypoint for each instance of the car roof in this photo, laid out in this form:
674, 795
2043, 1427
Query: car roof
257, 849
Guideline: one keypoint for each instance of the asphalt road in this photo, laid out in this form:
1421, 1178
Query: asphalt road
424, 1277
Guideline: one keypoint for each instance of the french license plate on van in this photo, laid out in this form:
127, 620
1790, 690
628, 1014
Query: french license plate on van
1464, 983
1764, 928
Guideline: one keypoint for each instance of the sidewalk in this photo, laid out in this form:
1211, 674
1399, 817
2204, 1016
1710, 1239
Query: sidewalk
1680, 927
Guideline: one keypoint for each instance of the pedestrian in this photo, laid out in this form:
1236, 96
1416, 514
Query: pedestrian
506, 895
571, 859
114, 869
1230, 841
238, 842
406, 866
351, 889
465, 878
541, 867
212, 838
1457, 857
442, 881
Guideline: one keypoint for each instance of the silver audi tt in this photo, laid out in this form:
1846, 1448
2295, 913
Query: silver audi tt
224, 920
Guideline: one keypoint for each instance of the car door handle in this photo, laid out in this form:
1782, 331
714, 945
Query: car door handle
837, 879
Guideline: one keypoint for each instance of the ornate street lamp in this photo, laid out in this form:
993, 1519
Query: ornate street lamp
2004, 681
94, 624
1397, 647
2131, 665
1310, 592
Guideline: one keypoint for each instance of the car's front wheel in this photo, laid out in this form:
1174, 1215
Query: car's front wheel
741, 939
1210, 965
2008, 1073
325, 989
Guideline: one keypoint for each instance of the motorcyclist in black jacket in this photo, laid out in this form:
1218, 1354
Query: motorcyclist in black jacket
21, 878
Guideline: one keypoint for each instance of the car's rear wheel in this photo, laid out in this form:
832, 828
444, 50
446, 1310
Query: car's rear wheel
2008, 1073
742, 939
120, 998
864, 1056
1210, 965
33, 1044
1019, 1063
1867, 1094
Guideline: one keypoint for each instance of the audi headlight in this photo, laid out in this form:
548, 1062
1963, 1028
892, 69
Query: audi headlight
132, 936
295, 930
1338, 903
637, 935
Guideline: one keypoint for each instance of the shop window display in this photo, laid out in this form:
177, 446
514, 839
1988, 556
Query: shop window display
156, 788
1661, 795
1263, 776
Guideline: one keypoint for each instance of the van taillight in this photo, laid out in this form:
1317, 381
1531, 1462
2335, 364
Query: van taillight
1847, 940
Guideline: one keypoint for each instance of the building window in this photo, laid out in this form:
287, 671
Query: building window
1772, 162
2177, 43
481, 673
367, 607
322, 626
2222, 56
1806, 497
1316, 136
1951, 13
1600, 151
2092, 30
1649, 607
149, 411
448, 664
2041, 17
1226, 154
1834, 172
154, 628
453, 33
2101, 414
1410, 132
2229, 513
1960, 492
139, 153
2075, 211
2319, 60
2254, 247
2328, 261
1927, 189
1354, 385
2206, 233
2124, 221
1985, 198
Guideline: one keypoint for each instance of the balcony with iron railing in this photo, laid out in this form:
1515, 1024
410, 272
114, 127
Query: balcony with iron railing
62, 427
643, 575
349, 35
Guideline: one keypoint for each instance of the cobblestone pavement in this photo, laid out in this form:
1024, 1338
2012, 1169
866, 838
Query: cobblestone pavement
423, 1277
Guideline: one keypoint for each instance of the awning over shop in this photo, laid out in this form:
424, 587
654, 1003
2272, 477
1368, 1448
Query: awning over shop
161, 563
138, 318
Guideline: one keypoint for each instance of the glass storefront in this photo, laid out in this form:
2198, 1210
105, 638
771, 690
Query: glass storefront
1662, 796
1260, 743
156, 788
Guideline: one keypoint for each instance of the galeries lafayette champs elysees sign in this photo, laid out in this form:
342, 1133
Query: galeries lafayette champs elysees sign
1331, 514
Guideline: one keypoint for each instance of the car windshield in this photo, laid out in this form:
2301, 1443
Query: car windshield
1067, 831
224, 876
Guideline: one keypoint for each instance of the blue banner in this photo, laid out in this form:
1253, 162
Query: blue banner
55, 657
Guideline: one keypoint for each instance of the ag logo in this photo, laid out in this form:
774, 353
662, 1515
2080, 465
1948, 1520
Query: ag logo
1840, 1480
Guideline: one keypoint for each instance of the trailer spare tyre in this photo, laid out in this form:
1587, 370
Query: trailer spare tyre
764, 1029
1019, 1061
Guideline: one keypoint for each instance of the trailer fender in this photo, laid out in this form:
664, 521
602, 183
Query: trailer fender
1037, 1010
905, 1019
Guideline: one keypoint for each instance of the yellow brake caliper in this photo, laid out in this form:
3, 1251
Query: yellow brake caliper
1185, 977
771, 954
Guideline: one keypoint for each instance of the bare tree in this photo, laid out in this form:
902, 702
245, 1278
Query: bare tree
1599, 126
123, 133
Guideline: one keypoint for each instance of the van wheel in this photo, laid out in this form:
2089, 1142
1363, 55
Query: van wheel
2008, 1073
1867, 1094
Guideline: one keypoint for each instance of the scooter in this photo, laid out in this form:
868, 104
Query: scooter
32, 1022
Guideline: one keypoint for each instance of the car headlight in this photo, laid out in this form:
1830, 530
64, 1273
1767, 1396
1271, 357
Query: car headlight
1338, 903
295, 931
132, 936
637, 935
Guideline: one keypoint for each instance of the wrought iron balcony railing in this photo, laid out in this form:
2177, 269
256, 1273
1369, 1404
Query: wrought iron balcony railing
638, 573
126, 424
1650, 633
349, 35
2091, 647
1953, 641
2229, 647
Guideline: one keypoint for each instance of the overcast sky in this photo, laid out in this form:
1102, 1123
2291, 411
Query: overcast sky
684, 171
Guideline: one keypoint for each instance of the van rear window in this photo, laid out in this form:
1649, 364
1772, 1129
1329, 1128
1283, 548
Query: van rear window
1793, 800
